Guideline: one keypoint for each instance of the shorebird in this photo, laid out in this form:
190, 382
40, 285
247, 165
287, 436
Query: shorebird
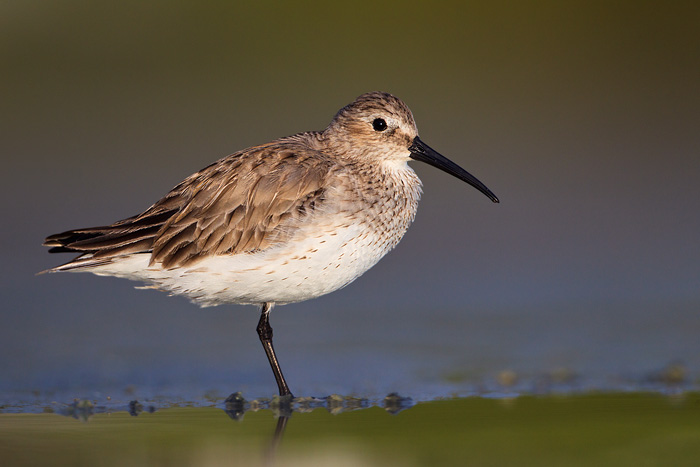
278, 223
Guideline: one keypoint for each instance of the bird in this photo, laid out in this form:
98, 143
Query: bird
278, 223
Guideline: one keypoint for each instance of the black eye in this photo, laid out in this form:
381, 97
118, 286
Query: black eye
379, 124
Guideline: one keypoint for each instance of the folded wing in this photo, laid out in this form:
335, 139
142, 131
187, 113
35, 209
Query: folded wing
241, 204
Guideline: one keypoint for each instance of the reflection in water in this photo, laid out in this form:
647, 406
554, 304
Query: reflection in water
393, 403
271, 450
236, 406
594, 423
282, 408
83, 409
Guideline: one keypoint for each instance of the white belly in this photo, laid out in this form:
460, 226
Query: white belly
317, 262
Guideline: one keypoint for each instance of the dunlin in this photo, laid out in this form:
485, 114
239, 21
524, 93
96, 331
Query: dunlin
278, 223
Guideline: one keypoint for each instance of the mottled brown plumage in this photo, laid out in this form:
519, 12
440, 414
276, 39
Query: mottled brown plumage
240, 204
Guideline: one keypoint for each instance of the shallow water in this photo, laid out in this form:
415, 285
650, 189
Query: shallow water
591, 429
150, 352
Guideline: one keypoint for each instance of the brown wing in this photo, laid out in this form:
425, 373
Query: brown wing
242, 203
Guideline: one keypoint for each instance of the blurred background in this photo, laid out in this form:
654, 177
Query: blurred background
582, 117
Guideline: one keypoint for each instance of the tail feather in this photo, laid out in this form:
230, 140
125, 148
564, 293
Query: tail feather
114, 240
80, 262
64, 238
98, 246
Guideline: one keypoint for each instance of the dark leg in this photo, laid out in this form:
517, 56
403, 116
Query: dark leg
265, 333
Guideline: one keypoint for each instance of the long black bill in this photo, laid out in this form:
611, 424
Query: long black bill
424, 153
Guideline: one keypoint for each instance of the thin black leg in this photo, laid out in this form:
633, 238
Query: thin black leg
265, 333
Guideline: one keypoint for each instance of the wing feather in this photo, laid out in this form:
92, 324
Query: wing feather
242, 210
243, 203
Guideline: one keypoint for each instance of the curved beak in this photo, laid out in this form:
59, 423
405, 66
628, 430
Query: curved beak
424, 153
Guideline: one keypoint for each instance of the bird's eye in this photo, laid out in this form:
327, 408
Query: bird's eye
379, 124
